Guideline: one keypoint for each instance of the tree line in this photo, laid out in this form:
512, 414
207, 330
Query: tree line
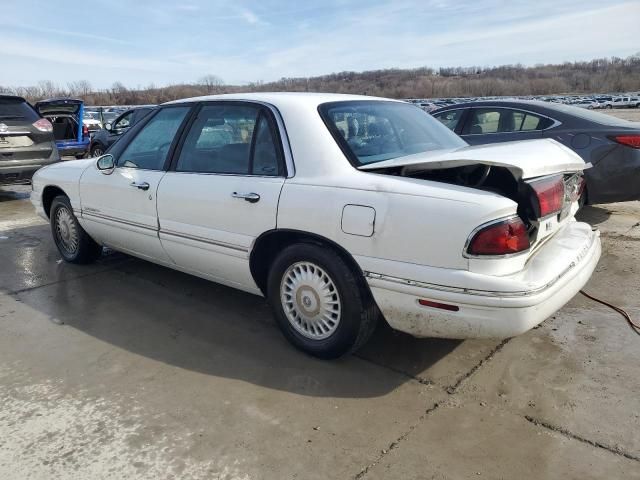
602, 75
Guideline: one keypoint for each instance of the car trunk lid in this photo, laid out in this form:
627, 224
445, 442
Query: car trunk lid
524, 159
19, 137
516, 170
66, 116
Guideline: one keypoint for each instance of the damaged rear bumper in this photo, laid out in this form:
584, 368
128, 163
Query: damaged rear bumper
524, 300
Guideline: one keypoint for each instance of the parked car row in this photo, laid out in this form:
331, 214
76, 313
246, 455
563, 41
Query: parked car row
34, 136
596, 101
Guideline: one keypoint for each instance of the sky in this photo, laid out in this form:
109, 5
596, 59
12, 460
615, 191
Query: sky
163, 42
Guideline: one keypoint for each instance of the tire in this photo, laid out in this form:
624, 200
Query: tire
302, 279
609, 107
74, 244
97, 150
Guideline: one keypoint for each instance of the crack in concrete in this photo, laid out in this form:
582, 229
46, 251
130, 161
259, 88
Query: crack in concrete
396, 443
568, 434
454, 388
450, 390
620, 236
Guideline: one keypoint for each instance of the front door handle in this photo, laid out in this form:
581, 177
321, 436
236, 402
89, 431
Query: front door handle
249, 197
140, 185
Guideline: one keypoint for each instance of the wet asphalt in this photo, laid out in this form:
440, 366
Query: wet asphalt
124, 369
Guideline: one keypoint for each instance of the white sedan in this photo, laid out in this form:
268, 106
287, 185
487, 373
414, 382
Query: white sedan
340, 210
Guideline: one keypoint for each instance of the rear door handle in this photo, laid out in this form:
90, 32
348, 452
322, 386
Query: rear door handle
140, 185
250, 197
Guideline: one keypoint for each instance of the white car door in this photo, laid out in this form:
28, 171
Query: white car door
119, 205
222, 191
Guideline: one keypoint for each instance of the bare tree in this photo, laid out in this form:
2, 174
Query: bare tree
212, 83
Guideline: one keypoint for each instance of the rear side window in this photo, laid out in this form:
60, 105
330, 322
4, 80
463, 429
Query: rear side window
230, 139
17, 109
450, 119
504, 120
149, 149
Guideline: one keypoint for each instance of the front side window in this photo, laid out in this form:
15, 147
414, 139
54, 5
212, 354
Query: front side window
371, 131
221, 140
450, 119
149, 149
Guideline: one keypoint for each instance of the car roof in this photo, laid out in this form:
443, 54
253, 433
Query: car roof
12, 97
277, 98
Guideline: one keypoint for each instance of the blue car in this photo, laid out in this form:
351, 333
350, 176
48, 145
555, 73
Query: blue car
65, 114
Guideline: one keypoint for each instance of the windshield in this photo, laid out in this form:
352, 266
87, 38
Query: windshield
371, 131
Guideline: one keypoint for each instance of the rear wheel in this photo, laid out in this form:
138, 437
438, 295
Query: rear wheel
319, 302
74, 244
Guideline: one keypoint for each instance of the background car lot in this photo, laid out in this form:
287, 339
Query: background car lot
134, 369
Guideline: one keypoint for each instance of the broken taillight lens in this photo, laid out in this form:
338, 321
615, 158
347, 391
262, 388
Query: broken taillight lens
43, 125
502, 238
549, 195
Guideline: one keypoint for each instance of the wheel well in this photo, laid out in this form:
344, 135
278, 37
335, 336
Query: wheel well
269, 244
48, 194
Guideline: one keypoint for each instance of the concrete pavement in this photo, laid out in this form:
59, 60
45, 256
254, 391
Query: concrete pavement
125, 369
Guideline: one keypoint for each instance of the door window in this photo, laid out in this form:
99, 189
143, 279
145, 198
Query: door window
221, 140
149, 149
503, 120
450, 119
484, 121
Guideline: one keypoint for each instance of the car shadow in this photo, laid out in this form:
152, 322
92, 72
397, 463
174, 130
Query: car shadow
193, 324
593, 215
10, 193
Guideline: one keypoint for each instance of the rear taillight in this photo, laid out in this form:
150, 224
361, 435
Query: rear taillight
632, 141
85, 131
501, 238
549, 195
43, 125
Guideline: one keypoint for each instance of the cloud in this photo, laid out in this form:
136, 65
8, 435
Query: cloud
178, 42
249, 16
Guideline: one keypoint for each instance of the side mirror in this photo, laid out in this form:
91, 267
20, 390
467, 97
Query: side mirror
107, 126
106, 163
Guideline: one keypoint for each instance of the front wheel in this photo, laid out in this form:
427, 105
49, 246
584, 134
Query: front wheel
97, 150
321, 305
74, 244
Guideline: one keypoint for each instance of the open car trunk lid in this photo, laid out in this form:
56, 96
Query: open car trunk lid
524, 159
59, 106
65, 115
510, 169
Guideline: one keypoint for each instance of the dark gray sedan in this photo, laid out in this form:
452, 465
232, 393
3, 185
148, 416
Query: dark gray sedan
106, 136
610, 144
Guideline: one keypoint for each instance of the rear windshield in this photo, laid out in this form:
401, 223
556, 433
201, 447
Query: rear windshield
371, 131
17, 109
